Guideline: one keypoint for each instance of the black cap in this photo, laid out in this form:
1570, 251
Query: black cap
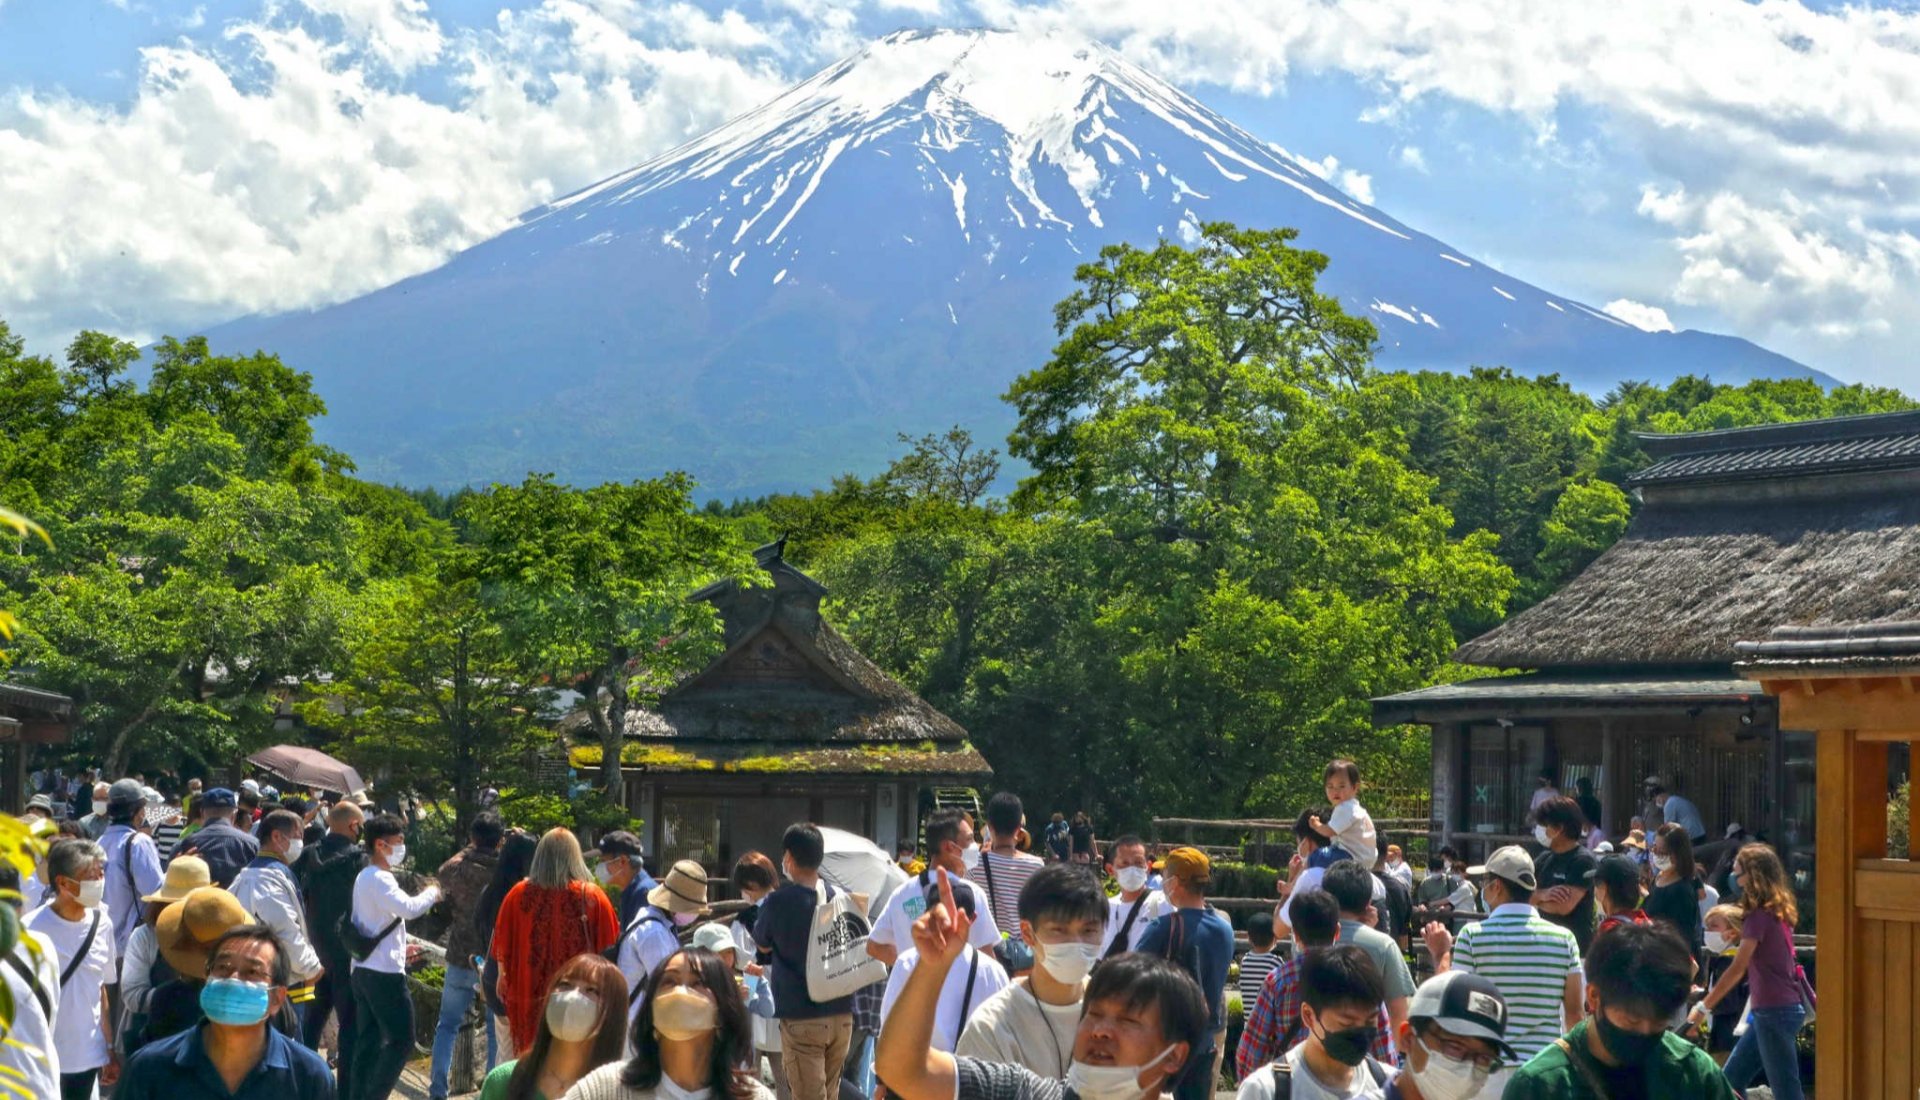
1464, 1004
619, 843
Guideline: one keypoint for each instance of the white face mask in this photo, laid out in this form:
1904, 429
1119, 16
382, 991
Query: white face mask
572, 1015
1663, 864
1716, 942
396, 855
100, 807
294, 848
1447, 1078
91, 891
1110, 1082
681, 920
1131, 878
1068, 962
1540, 835
970, 856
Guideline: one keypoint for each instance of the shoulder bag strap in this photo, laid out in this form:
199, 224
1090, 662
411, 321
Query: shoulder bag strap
966, 998
1126, 929
993, 903
86, 947
1581, 1067
126, 857
32, 979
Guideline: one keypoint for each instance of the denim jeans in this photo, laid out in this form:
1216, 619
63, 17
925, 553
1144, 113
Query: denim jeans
462, 985
1768, 1045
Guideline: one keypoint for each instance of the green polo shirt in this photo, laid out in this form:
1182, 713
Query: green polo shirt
1677, 1069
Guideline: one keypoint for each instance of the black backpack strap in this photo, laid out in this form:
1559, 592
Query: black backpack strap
1120, 938
647, 914
966, 998
1282, 1077
32, 979
86, 947
1378, 1071
993, 903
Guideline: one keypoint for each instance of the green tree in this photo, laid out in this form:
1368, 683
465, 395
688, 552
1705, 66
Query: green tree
433, 687
1589, 517
592, 585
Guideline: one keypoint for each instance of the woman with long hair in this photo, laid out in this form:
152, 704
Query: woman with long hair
516, 855
1676, 893
583, 1026
1766, 960
690, 1039
557, 913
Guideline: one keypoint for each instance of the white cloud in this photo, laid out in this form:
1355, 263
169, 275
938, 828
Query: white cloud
285, 171
398, 32
1639, 315
1784, 262
1412, 157
1357, 184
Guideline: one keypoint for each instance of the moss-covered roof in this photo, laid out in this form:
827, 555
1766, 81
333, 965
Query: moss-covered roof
922, 758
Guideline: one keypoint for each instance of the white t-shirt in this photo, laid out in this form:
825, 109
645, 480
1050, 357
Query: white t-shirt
38, 1073
895, 927
1015, 1028
1352, 829
1259, 1084
1152, 904
1309, 880
950, 1014
77, 1027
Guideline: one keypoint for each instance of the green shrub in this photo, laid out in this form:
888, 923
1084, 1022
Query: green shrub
1243, 880
1897, 810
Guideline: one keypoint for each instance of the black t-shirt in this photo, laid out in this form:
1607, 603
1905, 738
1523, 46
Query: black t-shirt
1677, 904
782, 929
1590, 807
1398, 919
1569, 868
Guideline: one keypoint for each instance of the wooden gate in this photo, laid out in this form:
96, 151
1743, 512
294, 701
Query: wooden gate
1867, 905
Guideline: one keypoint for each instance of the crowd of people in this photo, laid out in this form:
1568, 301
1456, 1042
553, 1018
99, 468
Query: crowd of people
261, 945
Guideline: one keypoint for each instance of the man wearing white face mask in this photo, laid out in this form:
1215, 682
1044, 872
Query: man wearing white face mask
950, 845
83, 946
1032, 1023
1143, 1018
96, 823
976, 979
1136, 905
267, 889
1453, 1038
383, 1009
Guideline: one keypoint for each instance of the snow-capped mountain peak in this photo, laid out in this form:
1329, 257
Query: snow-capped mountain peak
877, 250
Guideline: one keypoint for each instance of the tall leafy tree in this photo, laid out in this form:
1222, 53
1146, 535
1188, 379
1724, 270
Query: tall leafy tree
592, 584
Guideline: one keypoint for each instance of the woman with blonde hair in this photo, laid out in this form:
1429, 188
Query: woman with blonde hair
557, 913
582, 1026
1775, 1009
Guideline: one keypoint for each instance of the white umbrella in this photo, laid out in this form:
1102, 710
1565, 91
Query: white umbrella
859, 866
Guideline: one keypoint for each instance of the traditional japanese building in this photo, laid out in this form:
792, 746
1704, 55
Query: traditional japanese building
790, 723
28, 717
1629, 670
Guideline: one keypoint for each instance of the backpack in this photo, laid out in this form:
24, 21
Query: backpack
837, 959
647, 915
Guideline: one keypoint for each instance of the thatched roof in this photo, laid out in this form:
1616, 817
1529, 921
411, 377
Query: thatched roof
788, 677
1766, 527
1538, 695
681, 758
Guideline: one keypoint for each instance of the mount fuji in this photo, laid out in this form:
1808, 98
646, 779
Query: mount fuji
877, 250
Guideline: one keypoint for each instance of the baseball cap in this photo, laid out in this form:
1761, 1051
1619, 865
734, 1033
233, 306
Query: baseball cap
713, 936
617, 843
1464, 1004
1189, 865
219, 797
125, 792
1511, 863
1734, 830
1620, 875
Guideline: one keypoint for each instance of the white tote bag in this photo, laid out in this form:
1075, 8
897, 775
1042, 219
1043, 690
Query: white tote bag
837, 959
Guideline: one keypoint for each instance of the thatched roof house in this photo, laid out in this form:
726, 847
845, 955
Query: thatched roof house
790, 722
1737, 533
29, 716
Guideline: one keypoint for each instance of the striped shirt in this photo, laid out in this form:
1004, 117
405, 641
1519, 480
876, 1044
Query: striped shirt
1004, 877
1528, 957
1254, 968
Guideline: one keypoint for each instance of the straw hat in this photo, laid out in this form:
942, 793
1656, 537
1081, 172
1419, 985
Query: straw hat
187, 928
683, 891
184, 875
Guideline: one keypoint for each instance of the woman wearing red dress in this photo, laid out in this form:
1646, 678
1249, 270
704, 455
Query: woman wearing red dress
557, 913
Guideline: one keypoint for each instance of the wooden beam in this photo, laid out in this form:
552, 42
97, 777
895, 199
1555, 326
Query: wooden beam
1871, 684
1833, 902
1913, 819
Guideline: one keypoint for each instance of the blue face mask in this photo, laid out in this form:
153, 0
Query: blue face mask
235, 1003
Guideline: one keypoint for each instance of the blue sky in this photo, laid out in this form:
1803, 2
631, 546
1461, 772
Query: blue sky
1739, 167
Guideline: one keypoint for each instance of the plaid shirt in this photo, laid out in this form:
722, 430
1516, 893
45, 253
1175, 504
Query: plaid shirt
1277, 1010
866, 1007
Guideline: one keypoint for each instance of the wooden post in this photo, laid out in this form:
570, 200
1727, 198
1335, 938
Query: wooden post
1913, 819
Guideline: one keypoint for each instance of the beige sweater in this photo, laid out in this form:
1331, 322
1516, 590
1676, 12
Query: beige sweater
604, 1084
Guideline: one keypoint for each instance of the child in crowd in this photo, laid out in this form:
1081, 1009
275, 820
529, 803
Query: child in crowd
1259, 960
1723, 942
1349, 829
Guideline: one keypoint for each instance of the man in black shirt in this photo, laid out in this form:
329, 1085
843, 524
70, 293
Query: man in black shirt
1563, 872
1589, 805
815, 1035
